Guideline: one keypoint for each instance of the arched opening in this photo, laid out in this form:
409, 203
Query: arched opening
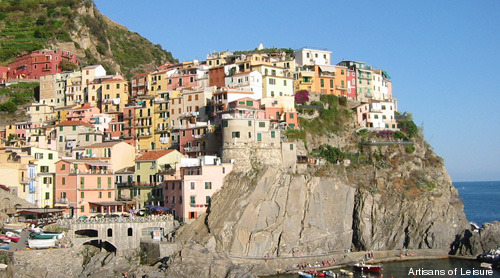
109, 247
106, 245
129, 231
110, 232
87, 233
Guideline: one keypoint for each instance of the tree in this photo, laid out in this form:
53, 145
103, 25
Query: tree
331, 154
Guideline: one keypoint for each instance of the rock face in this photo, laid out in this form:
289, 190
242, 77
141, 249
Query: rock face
474, 243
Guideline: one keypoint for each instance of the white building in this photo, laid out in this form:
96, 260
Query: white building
310, 57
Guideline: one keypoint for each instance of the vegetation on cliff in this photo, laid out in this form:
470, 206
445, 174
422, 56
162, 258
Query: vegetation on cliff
29, 25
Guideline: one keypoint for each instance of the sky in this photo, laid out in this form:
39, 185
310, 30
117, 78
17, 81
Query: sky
441, 55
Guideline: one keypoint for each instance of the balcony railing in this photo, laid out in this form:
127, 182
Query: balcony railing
144, 183
91, 172
193, 205
62, 201
192, 149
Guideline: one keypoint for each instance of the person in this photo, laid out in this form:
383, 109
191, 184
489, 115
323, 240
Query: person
266, 257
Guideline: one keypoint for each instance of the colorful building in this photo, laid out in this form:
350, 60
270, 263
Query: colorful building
39, 62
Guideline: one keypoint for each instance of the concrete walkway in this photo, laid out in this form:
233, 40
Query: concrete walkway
22, 244
289, 264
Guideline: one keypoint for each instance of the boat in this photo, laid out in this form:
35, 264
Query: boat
43, 236
13, 236
368, 267
57, 235
346, 272
305, 275
315, 273
41, 243
5, 238
14, 227
4, 246
486, 265
329, 273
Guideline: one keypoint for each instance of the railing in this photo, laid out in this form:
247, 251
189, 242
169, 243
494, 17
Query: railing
199, 136
144, 183
124, 184
90, 172
191, 149
62, 201
131, 219
193, 205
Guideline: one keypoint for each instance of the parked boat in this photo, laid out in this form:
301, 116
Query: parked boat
305, 275
315, 273
13, 236
346, 272
329, 273
14, 227
41, 243
43, 236
4, 246
5, 238
57, 235
368, 267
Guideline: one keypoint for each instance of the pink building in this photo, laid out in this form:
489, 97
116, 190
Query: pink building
83, 113
3, 74
85, 187
40, 62
188, 193
182, 78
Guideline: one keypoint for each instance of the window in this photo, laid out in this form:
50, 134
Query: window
342, 72
138, 166
291, 147
51, 156
82, 209
74, 127
82, 182
47, 195
236, 134
110, 232
262, 124
44, 169
331, 83
272, 81
322, 83
63, 181
249, 123
193, 185
273, 135
259, 137
82, 195
98, 182
180, 199
208, 185
207, 200
100, 195
284, 82
291, 115
61, 139
193, 199
249, 102
109, 182
129, 231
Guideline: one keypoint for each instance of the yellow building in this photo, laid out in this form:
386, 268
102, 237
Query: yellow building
149, 170
276, 81
114, 94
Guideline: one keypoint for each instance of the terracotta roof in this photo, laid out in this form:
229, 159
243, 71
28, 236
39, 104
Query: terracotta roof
141, 75
103, 145
153, 155
69, 123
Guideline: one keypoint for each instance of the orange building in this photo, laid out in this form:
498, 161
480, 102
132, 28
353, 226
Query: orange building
85, 187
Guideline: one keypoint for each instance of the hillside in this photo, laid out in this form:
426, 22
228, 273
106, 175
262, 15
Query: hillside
78, 26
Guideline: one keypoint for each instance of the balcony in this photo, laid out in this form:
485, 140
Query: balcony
143, 124
124, 184
341, 88
192, 149
144, 135
90, 172
162, 130
62, 201
193, 205
144, 183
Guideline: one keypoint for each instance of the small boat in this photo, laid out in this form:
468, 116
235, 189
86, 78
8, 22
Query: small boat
14, 237
43, 236
346, 272
4, 246
486, 265
329, 273
305, 275
41, 243
14, 227
5, 238
368, 267
57, 235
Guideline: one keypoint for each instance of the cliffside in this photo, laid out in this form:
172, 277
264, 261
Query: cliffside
392, 197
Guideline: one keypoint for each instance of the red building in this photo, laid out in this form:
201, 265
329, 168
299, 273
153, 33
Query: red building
3, 74
351, 84
40, 62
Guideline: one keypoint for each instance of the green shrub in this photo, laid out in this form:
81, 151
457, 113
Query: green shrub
399, 135
331, 154
410, 149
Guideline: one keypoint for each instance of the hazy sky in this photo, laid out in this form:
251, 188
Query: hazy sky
442, 55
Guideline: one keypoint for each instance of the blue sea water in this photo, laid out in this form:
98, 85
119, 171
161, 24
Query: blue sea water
481, 200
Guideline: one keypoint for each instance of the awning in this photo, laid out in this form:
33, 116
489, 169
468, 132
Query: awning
40, 210
386, 74
327, 68
97, 163
111, 203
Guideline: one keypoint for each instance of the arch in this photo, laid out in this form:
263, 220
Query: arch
110, 232
86, 233
129, 232
106, 245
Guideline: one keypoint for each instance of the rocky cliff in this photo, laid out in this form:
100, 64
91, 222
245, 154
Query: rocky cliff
399, 198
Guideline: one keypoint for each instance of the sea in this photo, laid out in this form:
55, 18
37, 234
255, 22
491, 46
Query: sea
482, 204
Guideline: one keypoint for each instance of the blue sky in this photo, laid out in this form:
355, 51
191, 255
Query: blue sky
442, 55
